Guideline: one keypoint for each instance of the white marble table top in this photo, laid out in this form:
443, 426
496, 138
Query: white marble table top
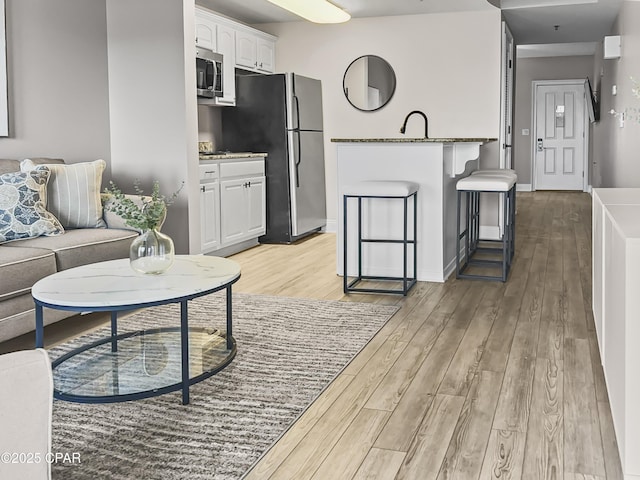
115, 284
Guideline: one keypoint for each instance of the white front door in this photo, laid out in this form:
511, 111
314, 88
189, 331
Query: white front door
560, 136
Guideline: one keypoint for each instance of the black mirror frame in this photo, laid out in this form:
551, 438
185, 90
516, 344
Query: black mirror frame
393, 90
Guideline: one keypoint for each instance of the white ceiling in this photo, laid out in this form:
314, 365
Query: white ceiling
531, 21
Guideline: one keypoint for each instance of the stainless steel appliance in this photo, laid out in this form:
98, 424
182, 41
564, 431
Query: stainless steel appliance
208, 73
281, 115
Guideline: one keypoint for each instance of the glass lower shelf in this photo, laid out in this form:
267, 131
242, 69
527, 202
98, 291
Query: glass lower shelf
144, 364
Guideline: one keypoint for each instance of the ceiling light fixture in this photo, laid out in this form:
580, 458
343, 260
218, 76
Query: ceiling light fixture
317, 11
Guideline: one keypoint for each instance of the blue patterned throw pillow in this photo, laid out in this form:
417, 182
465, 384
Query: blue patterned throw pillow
22, 210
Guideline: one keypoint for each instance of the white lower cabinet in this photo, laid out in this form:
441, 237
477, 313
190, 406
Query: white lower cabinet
616, 303
256, 207
233, 207
243, 212
210, 216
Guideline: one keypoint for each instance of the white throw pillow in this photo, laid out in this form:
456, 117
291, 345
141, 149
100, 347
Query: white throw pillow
73, 192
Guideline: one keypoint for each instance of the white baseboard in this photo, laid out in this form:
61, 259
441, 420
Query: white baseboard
331, 227
524, 187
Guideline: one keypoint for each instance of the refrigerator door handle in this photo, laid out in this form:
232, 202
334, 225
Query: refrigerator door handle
299, 158
297, 102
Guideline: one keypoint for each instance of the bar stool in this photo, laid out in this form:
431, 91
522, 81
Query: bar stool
394, 190
471, 187
509, 173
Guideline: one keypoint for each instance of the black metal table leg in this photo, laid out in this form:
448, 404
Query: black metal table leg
39, 327
114, 331
229, 319
184, 340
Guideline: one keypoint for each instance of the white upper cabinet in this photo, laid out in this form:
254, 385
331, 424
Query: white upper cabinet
255, 51
266, 55
205, 32
246, 50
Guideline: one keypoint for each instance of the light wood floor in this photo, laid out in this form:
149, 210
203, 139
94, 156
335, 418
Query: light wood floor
470, 379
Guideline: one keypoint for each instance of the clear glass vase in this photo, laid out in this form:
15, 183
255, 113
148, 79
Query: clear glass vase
151, 252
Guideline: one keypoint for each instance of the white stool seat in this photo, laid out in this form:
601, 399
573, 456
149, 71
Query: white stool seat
497, 171
494, 170
486, 183
381, 188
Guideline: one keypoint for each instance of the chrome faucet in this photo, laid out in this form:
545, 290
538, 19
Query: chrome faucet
426, 123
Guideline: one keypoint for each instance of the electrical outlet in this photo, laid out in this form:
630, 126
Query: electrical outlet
621, 120
614, 90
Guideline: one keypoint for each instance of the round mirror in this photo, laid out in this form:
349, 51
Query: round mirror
369, 83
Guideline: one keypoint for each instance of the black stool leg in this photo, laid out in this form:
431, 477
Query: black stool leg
415, 236
405, 258
344, 244
458, 233
506, 242
359, 237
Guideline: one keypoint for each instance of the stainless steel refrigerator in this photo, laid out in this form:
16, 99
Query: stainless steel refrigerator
281, 115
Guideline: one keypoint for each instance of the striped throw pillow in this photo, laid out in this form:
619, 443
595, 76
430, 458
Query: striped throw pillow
73, 192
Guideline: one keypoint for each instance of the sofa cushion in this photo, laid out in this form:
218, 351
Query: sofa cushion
82, 246
21, 267
7, 165
22, 206
73, 192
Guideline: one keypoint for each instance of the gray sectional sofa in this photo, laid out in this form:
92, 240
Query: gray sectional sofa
23, 262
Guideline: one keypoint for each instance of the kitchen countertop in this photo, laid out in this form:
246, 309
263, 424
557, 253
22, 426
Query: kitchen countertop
231, 155
413, 140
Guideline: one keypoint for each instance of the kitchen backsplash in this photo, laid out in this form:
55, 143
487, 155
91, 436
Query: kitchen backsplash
210, 127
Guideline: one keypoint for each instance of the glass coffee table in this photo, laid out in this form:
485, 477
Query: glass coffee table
143, 363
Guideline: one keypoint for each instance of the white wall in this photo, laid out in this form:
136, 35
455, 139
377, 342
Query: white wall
154, 131
447, 65
57, 80
617, 150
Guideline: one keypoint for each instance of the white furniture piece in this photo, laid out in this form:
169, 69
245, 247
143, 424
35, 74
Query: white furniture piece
241, 47
368, 194
233, 208
26, 400
434, 164
135, 365
471, 188
616, 303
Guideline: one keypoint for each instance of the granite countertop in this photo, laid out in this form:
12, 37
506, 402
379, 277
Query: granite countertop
413, 140
231, 155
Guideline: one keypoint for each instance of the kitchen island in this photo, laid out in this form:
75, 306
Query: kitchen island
435, 164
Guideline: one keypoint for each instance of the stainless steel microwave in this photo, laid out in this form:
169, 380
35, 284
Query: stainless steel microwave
208, 73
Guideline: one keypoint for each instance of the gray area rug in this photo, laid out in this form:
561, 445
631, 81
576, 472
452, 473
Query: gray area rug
289, 350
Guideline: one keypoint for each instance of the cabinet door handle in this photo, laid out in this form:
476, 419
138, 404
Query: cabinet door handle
202, 188
260, 64
249, 184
